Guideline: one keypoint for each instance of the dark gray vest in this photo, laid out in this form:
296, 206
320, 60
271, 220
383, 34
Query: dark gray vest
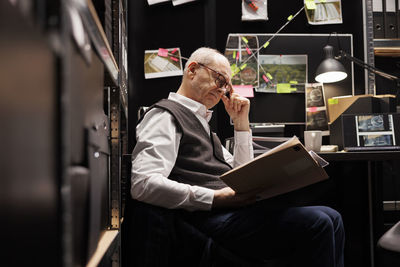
200, 158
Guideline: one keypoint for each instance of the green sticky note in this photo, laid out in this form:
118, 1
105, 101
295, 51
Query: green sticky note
244, 39
290, 17
234, 54
243, 66
284, 88
266, 44
234, 69
322, 1
310, 4
269, 76
293, 82
333, 101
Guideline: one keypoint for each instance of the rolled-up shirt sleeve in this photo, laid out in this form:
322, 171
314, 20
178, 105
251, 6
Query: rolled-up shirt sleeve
153, 158
242, 150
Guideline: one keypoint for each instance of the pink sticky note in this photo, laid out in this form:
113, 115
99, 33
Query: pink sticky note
248, 50
237, 55
244, 90
162, 52
312, 109
174, 59
173, 51
265, 78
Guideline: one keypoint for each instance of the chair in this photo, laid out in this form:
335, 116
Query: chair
389, 244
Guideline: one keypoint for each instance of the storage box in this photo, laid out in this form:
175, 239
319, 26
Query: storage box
359, 104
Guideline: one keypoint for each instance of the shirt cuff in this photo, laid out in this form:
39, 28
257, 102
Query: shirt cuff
203, 198
243, 137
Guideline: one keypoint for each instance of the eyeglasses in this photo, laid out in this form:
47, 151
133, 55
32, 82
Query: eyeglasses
220, 80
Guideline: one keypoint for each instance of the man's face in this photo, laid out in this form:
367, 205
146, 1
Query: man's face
205, 88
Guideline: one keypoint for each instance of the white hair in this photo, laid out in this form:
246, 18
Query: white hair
205, 55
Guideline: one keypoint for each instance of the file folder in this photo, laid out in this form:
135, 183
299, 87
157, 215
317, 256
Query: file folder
390, 19
377, 13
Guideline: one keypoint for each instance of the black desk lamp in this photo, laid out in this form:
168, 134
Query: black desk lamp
331, 70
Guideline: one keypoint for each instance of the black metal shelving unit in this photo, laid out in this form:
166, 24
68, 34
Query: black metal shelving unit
64, 71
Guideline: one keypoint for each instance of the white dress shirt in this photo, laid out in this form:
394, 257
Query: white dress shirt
155, 153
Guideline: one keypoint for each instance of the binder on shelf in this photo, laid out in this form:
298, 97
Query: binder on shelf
377, 14
390, 19
398, 18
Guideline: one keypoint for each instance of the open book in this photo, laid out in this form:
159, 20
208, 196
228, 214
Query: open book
280, 170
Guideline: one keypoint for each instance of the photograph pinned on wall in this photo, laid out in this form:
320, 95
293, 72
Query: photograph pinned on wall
316, 119
162, 63
153, 2
254, 10
316, 114
282, 73
315, 95
241, 53
375, 130
320, 12
180, 2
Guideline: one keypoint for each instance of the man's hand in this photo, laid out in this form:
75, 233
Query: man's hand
238, 108
226, 197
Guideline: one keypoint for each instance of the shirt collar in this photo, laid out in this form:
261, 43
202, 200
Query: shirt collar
191, 104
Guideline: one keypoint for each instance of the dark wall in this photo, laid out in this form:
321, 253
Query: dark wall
208, 23
161, 26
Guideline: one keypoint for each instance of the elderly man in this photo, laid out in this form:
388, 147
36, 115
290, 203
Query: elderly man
177, 162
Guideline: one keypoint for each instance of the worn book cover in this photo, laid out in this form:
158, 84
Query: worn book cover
280, 170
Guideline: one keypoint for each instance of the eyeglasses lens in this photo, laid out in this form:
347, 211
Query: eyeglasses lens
220, 81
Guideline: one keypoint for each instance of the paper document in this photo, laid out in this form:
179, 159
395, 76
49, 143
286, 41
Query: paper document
323, 163
285, 168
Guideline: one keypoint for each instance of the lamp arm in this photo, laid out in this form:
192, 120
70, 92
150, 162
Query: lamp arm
369, 67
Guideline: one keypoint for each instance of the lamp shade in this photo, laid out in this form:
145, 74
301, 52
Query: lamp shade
330, 70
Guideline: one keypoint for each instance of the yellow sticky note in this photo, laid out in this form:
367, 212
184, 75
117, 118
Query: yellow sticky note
284, 88
293, 82
243, 66
333, 101
234, 54
290, 17
266, 44
322, 1
244, 39
310, 4
269, 76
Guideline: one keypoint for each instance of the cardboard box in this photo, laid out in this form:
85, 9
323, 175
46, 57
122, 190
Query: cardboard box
360, 104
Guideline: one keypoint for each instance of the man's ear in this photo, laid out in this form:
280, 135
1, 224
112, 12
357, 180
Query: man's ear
192, 69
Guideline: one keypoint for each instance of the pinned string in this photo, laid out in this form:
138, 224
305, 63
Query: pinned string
235, 69
162, 52
289, 19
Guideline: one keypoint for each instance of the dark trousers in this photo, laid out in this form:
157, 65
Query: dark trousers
253, 235
305, 236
